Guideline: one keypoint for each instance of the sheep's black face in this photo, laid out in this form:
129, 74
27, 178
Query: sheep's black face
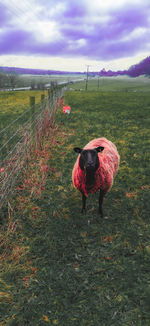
89, 158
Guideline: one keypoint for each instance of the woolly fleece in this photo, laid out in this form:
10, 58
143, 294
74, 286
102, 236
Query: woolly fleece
108, 167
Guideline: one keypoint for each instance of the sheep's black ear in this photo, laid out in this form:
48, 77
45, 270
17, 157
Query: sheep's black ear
99, 149
77, 150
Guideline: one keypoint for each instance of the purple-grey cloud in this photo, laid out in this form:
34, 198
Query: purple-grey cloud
107, 40
74, 11
14, 42
117, 26
4, 16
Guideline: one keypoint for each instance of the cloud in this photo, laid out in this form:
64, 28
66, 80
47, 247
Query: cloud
123, 34
74, 11
4, 15
14, 41
97, 30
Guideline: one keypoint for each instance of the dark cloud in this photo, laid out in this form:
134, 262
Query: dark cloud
74, 32
15, 42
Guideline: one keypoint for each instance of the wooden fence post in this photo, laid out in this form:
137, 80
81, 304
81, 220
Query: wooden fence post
32, 101
42, 99
49, 93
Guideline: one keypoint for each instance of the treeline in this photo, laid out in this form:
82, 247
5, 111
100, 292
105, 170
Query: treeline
13, 81
9, 80
141, 68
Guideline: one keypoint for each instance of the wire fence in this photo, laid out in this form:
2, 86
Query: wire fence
17, 138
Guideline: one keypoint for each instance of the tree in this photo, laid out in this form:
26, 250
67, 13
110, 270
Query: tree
12, 80
33, 85
3, 80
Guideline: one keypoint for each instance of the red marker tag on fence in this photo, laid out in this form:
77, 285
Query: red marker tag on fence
66, 109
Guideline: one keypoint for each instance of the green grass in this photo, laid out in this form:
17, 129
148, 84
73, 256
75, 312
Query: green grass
63, 268
120, 83
15, 111
13, 104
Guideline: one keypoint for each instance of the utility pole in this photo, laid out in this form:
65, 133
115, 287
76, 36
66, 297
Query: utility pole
87, 77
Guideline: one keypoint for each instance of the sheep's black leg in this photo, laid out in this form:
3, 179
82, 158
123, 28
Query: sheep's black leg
83, 203
101, 197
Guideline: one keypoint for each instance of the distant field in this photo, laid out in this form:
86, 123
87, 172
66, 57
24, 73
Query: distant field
125, 84
49, 78
15, 81
39, 80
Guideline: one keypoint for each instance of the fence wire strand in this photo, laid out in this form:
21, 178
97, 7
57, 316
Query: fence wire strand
14, 121
26, 124
13, 153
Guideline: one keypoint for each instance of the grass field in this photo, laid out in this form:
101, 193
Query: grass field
117, 84
59, 267
14, 103
26, 80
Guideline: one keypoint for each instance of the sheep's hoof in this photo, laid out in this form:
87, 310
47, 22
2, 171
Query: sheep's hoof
100, 214
102, 218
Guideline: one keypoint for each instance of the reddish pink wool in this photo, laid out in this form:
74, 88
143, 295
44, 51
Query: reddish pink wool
108, 167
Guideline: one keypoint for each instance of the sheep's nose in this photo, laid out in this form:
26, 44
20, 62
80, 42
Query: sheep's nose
90, 164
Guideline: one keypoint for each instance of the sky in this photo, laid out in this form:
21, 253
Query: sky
71, 34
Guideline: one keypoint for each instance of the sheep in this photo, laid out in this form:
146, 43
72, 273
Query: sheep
95, 169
